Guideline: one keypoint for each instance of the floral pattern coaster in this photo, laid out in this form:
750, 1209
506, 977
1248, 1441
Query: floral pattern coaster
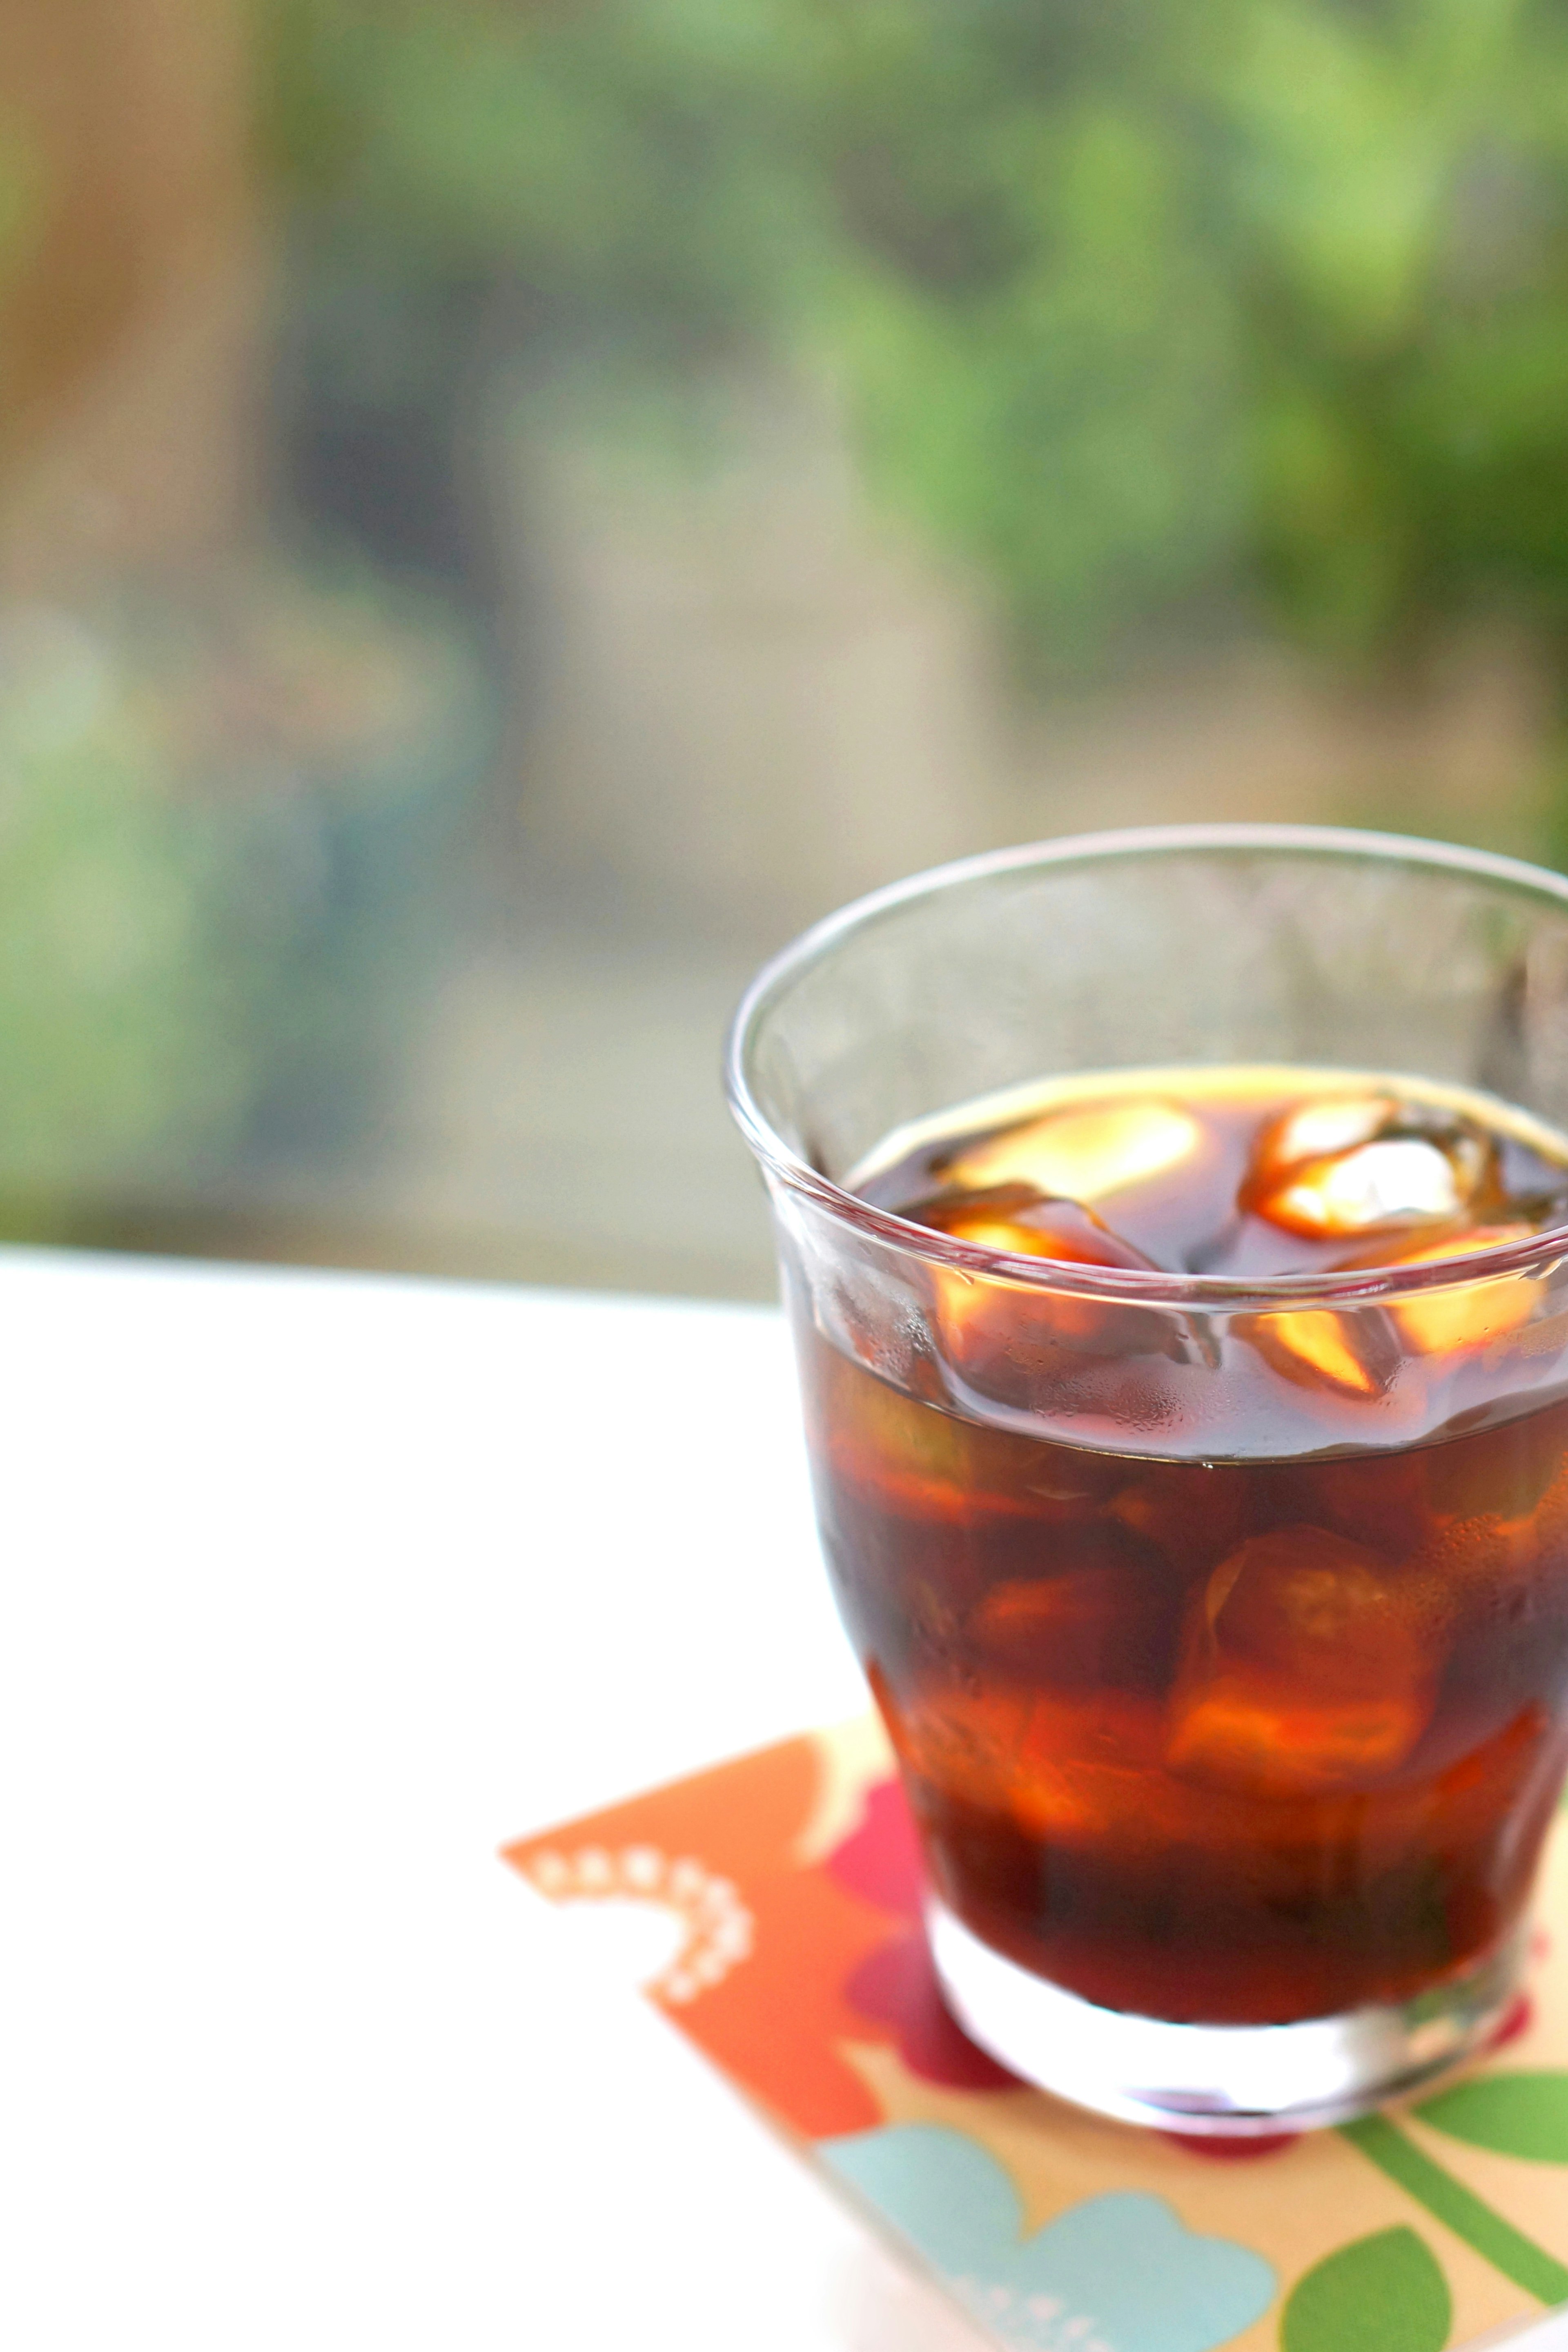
783, 1894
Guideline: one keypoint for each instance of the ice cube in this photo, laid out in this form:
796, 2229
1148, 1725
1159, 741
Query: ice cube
1323, 1124
1083, 1152
1247, 1730
1361, 1164
1499, 1546
1052, 1629
1467, 1313
1084, 1766
1060, 1765
1378, 1500
1194, 1511
1103, 1610
1375, 1185
1313, 1347
1307, 1601
1014, 1219
1507, 1470
965, 1743
988, 1324
1309, 1665
906, 1457
1471, 1565
1497, 1507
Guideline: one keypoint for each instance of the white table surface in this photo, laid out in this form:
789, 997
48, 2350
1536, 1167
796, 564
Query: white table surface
316, 1589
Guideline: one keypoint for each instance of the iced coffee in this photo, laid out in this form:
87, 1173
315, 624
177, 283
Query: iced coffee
1236, 1725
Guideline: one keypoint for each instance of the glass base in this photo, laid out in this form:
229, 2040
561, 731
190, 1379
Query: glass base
1233, 2081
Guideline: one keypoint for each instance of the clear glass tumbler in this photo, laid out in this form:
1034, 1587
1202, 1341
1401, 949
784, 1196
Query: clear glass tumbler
1220, 1950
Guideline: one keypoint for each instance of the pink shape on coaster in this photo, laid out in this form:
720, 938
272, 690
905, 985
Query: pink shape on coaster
1519, 2019
881, 1858
1231, 2152
896, 1985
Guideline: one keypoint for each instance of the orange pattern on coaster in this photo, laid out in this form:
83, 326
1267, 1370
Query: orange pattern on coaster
801, 1971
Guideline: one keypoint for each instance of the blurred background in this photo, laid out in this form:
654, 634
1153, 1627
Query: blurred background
509, 507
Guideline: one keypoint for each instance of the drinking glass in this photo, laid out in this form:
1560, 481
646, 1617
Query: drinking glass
1131, 1901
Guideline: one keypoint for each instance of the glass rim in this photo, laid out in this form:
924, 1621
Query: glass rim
1155, 1288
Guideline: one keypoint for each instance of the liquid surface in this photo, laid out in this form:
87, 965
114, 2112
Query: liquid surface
1223, 1741
1249, 1173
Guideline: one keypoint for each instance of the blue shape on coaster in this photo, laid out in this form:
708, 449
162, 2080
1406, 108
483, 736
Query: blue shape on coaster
1121, 2273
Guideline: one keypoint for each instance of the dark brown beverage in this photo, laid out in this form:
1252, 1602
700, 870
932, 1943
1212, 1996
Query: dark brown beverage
1226, 1740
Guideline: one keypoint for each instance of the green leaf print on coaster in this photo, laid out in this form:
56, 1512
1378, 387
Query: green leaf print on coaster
1381, 2293
1512, 2114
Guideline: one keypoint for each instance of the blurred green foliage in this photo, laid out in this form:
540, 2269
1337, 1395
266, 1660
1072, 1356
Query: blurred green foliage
1142, 307
112, 941
214, 825
224, 801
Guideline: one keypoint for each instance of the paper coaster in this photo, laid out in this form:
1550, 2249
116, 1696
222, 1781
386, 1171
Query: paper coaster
782, 1895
